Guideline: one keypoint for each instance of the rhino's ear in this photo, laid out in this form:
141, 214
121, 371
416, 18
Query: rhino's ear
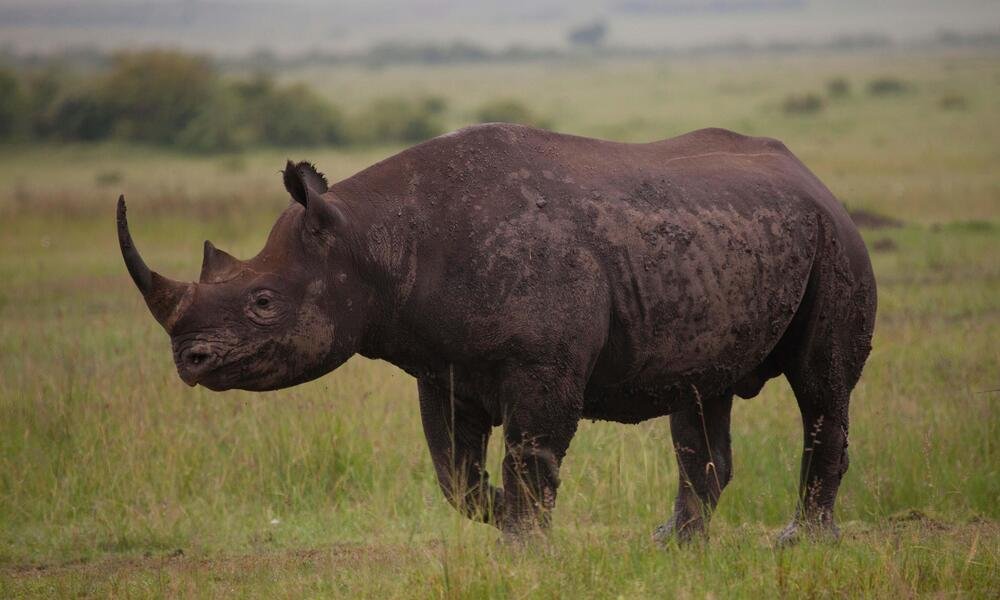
323, 220
307, 186
302, 179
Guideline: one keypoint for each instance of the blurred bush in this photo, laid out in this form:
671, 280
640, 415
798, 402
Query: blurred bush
590, 35
801, 104
42, 88
155, 94
838, 87
12, 104
399, 120
884, 86
218, 127
509, 111
295, 115
79, 114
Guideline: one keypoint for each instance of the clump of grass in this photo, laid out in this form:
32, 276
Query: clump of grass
106, 178
953, 101
973, 226
884, 245
802, 104
887, 86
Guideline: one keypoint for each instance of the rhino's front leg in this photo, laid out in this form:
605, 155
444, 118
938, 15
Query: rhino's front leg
541, 412
457, 435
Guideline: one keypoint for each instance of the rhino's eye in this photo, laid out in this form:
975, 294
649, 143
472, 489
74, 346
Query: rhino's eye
264, 308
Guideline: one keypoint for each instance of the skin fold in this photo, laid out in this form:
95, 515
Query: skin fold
529, 279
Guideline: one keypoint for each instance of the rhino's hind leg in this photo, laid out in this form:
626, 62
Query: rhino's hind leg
822, 381
824, 455
704, 461
827, 349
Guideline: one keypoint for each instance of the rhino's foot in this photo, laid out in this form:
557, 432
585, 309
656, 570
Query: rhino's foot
526, 530
523, 538
523, 535
798, 530
689, 530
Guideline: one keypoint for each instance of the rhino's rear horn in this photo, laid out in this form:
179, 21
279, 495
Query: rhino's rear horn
167, 299
218, 265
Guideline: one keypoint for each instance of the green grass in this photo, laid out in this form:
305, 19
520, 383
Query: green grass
118, 480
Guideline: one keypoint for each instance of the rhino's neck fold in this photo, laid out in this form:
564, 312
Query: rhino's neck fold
383, 242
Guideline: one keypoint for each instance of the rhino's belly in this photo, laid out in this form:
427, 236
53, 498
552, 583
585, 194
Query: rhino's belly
699, 308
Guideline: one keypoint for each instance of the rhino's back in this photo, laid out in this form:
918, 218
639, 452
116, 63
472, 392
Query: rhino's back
480, 159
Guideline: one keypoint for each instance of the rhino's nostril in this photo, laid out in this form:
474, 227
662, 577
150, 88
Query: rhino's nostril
196, 362
196, 358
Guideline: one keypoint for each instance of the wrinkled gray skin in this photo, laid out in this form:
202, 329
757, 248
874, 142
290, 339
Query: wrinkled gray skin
530, 279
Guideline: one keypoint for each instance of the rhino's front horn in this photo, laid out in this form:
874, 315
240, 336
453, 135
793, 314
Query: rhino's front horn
167, 299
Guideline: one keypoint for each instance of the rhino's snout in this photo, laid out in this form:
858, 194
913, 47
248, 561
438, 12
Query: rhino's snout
195, 361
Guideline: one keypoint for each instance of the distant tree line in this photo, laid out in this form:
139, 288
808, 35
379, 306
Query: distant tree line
181, 100
588, 40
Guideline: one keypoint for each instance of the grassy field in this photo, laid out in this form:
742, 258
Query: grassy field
116, 479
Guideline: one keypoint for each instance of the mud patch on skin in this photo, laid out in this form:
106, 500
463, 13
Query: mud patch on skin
310, 342
390, 256
313, 334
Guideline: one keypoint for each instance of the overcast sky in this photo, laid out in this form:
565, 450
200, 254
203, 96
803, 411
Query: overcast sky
236, 26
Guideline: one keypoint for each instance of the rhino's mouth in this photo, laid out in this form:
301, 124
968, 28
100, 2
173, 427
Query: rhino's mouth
221, 371
199, 373
220, 365
213, 384
215, 378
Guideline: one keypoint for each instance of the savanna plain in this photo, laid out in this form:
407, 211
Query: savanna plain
117, 480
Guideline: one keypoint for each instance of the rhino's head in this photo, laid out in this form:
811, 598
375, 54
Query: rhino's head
290, 314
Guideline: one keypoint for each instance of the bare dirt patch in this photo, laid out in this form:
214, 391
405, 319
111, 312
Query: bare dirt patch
339, 555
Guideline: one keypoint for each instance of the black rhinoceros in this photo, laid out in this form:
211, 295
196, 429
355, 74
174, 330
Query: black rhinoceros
531, 279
